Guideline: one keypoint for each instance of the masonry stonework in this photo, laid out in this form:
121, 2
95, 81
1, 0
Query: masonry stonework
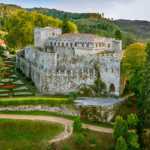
61, 63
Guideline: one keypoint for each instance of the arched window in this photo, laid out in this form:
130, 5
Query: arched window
76, 44
54, 43
96, 45
82, 44
51, 43
53, 34
71, 44
58, 43
106, 69
112, 70
108, 45
99, 44
112, 88
66, 44
87, 45
63, 44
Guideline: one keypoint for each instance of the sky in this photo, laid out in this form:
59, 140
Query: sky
117, 9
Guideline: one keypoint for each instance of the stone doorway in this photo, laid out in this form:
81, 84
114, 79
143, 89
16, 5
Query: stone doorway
112, 88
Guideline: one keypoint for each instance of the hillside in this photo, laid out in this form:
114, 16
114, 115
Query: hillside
88, 22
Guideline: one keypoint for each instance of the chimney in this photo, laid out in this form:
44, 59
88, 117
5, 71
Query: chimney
75, 32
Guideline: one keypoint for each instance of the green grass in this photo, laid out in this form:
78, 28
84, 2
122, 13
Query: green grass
27, 134
103, 141
101, 124
33, 101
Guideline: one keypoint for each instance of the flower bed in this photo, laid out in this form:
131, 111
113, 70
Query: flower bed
9, 86
6, 64
7, 73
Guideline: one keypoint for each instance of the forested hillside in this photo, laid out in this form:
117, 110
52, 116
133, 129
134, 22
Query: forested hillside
135, 31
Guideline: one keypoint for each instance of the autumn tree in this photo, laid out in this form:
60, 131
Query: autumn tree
133, 59
118, 35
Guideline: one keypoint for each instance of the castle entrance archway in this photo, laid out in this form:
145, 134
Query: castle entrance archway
112, 88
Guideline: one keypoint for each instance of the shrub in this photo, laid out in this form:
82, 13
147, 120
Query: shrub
129, 104
132, 140
12, 52
112, 147
87, 129
120, 128
132, 120
66, 148
80, 140
77, 125
121, 144
92, 140
85, 133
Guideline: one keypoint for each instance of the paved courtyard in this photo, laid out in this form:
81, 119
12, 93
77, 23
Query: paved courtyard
98, 101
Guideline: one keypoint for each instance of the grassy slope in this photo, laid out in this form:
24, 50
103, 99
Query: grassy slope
103, 141
27, 134
101, 124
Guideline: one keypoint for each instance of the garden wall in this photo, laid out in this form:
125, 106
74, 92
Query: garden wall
96, 113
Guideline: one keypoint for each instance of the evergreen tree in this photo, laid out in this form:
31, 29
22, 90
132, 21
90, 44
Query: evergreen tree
121, 144
65, 28
118, 35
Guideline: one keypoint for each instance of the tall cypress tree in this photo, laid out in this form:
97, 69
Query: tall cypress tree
65, 28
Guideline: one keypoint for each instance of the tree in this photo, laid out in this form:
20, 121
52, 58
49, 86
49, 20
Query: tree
133, 59
80, 140
132, 140
77, 125
121, 144
132, 120
118, 35
65, 27
120, 128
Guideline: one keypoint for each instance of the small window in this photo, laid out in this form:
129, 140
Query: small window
112, 70
51, 43
87, 45
96, 45
53, 34
71, 44
62, 44
108, 45
55, 44
75, 44
106, 69
99, 45
58, 43
66, 44
82, 45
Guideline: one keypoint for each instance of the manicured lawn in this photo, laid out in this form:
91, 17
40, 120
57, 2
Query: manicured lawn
103, 141
33, 101
101, 124
27, 134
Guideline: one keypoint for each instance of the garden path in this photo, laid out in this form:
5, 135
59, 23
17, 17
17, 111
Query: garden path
66, 122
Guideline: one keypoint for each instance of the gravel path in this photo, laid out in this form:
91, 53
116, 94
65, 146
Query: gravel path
68, 124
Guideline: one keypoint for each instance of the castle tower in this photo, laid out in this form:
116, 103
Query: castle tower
41, 35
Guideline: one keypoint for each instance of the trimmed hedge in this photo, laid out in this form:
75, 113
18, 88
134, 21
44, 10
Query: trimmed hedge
26, 90
34, 101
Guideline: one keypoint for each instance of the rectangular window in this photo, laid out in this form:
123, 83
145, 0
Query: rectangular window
108, 45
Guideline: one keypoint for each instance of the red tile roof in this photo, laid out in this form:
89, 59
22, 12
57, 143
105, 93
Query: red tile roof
72, 35
2, 41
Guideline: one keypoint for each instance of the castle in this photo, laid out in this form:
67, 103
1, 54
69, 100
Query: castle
60, 63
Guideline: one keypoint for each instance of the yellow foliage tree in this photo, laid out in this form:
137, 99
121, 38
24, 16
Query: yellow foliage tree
133, 59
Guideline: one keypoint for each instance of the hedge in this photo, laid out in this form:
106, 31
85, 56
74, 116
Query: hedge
26, 90
34, 101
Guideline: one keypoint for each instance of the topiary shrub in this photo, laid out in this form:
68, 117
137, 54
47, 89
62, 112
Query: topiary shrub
121, 144
129, 104
92, 140
112, 147
132, 120
80, 140
132, 140
120, 128
77, 125
66, 148
85, 133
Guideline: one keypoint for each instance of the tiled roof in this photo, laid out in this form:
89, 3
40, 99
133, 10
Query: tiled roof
72, 35
2, 41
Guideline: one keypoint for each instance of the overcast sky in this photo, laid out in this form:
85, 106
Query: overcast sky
117, 9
